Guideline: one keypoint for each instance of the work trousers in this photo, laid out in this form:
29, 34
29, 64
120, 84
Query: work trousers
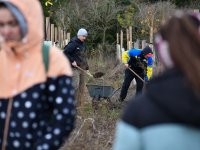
129, 76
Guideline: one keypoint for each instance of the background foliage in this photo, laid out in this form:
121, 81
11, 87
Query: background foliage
104, 18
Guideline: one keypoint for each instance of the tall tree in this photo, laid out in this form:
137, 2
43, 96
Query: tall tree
125, 17
103, 17
182, 3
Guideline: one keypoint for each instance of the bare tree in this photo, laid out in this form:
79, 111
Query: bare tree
98, 16
61, 13
150, 16
102, 14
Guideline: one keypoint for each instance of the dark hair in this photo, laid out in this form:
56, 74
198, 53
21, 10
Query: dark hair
2, 5
147, 50
183, 36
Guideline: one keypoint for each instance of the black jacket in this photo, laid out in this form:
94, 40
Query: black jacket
138, 64
168, 99
75, 51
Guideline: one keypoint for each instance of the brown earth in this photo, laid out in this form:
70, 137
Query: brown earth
96, 121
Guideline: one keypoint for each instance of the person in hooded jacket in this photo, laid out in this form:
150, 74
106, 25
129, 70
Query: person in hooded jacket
37, 106
139, 61
75, 50
167, 115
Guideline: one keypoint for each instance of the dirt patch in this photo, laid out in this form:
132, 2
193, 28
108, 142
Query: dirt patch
95, 128
96, 120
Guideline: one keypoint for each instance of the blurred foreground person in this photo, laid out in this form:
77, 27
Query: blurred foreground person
167, 115
37, 108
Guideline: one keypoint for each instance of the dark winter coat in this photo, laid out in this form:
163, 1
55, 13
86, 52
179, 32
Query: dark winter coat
168, 99
75, 51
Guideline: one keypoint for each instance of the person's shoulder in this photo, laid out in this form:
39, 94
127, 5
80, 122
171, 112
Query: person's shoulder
137, 109
73, 43
134, 105
136, 101
58, 63
75, 39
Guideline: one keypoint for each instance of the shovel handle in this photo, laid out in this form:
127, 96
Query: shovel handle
136, 74
89, 74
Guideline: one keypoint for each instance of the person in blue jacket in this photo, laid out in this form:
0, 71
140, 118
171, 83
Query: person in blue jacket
166, 116
140, 61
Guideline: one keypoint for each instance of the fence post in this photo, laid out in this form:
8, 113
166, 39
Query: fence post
127, 39
52, 34
121, 43
143, 44
136, 44
68, 38
118, 54
56, 34
131, 37
61, 38
47, 37
151, 34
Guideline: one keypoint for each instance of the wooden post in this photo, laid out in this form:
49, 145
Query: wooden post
56, 33
143, 44
118, 54
121, 43
52, 34
131, 37
62, 37
59, 37
47, 29
117, 38
151, 35
136, 44
65, 37
68, 38
127, 39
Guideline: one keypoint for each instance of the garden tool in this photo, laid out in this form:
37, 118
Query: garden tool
136, 74
96, 75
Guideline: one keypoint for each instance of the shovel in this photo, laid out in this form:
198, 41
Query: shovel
96, 75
